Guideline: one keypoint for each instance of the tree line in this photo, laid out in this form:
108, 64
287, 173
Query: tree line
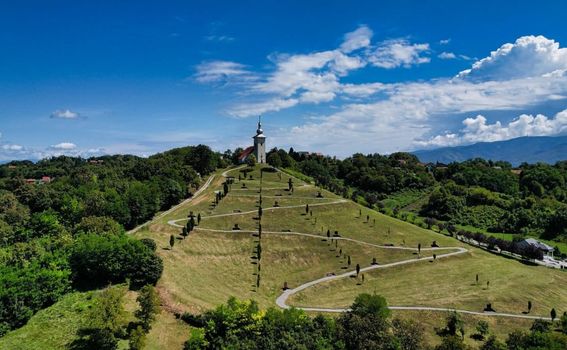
68, 232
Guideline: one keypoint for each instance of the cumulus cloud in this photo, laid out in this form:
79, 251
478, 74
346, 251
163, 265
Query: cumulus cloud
399, 53
221, 71
447, 56
385, 117
444, 41
358, 39
311, 78
65, 114
64, 146
528, 56
477, 129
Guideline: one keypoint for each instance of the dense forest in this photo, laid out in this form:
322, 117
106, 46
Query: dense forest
486, 195
63, 222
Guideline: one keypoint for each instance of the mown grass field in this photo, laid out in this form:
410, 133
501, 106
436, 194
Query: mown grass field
207, 267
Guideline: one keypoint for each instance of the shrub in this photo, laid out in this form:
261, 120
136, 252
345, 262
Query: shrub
99, 260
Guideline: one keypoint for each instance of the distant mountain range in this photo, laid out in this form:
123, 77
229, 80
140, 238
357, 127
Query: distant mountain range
522, 149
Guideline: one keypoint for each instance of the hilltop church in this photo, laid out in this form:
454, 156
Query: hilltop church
259, 148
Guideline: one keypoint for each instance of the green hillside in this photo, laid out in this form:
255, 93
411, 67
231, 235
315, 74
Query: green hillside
215, 261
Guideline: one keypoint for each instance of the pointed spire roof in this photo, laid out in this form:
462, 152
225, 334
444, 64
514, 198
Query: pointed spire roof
259, 131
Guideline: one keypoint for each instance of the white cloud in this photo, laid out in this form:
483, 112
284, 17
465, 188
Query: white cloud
447, 56
444, 41
387, 117
65, 114
357, 39
478, 130
64, 146
362, 90
221, 71
257, 108
313, 77
529, 56
399, 53
12, 147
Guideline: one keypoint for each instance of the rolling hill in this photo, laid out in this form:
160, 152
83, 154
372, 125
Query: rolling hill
516, 151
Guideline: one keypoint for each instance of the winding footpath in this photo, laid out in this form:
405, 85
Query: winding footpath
186, 201
281, 301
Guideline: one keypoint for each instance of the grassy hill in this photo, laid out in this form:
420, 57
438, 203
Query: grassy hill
215, 262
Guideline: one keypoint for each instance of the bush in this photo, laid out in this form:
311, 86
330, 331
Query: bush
99, 260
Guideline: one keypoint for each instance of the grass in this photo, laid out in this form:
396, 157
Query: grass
206, 268
408, 200
55, 327
451, 283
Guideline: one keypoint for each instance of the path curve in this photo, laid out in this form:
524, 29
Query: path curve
281, 301
188, 200
175, 222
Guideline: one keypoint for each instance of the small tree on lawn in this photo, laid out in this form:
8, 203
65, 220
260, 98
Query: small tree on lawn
553, 314
454, 323
419, 248
482, 329
184, 232
306, 208
149, 306
348, 260
171, 241
328, 233
357, 269
529, 306
199, 219
251, 160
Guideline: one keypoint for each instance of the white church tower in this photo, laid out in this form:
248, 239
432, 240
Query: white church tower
260, 144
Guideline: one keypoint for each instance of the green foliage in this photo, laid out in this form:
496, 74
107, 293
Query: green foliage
370, 304
482, 328
149, 306
454, 324
137, 339
241, 325
25, 290
105, 322
98, 225
452, 342
251, 160
98, 260
493, 344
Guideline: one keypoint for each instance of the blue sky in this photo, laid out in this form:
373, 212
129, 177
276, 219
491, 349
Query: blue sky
335, 77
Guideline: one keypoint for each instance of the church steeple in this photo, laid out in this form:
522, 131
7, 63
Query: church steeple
260, 143
259, 130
